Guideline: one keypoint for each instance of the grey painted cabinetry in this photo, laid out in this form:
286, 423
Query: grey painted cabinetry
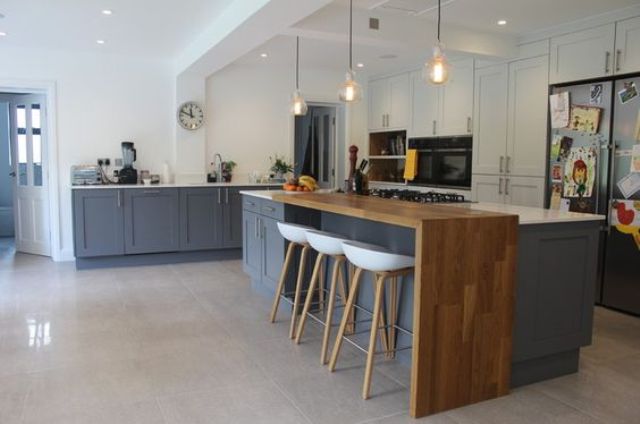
98, 219
128, 221
151, 221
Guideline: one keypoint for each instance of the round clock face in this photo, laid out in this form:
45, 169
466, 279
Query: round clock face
190, 116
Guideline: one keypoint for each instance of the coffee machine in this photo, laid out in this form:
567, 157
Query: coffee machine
128, 174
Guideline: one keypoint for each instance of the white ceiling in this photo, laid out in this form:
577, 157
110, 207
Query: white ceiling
523, 16
157, 28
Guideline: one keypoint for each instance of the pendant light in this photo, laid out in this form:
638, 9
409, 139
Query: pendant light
350, 91
436, 70
298, 105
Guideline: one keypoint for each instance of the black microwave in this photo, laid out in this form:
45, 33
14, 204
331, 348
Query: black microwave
443, 161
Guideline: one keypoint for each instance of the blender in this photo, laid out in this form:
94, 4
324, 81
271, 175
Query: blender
128, 174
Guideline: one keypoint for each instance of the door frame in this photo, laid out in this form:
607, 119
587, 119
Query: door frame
341, 131
48, 89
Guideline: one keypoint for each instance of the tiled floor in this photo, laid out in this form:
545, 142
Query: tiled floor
191, 344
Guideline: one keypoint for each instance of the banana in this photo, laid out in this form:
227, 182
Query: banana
309, 182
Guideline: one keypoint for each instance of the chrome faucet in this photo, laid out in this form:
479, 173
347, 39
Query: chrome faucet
217, 164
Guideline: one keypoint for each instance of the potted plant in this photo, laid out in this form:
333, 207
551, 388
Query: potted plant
279, 166
227, 170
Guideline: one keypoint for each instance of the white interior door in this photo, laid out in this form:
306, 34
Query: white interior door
30, 172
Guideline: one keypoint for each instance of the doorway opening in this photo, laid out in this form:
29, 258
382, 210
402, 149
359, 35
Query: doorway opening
317, 143
24, 184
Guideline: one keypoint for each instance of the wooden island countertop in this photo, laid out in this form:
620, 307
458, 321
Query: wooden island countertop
464, 287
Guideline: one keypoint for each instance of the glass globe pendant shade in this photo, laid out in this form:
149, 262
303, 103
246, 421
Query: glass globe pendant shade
350, 91
298, 105
436, 70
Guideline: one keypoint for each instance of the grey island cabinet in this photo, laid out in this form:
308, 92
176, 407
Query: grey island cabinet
549, 301
134, 225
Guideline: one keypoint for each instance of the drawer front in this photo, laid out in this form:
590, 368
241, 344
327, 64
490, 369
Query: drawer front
251, 204
272, 209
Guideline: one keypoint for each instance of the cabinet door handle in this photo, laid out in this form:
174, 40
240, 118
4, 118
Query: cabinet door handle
506, 187
434, 127
500, 185
219, 200
255, 229
501, 163
607, 59
383, 120
119, 200
469, 129
248, 203
268, 209
508, 165
152, 192
618, 57
226, 196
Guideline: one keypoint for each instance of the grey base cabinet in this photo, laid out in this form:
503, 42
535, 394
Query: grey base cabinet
151, 221
200, 218
98, 222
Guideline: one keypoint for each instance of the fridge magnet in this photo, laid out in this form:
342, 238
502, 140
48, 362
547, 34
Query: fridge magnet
628, 93
565, 148
579, 172
625, 216
595, 94
629, 184
555, 147
582, 205
564, 205
556, 172
559, 106
556, 196
635, 158
585, 119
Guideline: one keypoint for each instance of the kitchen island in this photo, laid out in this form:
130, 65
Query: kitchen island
501, 296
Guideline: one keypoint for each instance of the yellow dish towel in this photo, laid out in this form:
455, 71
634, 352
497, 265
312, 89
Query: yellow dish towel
411, 165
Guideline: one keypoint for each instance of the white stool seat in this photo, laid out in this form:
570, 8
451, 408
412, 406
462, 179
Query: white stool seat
294, 232
327, 243
375, 258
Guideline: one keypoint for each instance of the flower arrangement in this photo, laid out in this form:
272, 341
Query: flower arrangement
280, 166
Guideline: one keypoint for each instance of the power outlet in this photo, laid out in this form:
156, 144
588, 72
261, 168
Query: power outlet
105, 162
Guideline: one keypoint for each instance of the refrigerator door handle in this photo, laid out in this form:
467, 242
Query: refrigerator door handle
612, 172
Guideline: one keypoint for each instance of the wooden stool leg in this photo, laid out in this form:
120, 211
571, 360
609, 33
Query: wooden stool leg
321, 287
392, 317
283, 277
296, 298
332, 301
351, 328
382, 327
377, 307
309, 299
353, 292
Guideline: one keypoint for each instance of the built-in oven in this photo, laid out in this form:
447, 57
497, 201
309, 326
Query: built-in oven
443, 161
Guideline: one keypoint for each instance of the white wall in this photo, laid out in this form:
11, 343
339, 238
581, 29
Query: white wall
101, 101
248, 113
6, 183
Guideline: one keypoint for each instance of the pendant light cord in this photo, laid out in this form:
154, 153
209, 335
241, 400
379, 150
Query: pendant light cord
297, 63
439, 21
351, 36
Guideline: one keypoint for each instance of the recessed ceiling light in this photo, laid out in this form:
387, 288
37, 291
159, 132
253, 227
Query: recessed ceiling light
502, 22
100, 41
3, 34
360, 65
264, 55
107, 12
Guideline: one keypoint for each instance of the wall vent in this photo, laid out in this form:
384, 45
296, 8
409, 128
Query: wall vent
374, 23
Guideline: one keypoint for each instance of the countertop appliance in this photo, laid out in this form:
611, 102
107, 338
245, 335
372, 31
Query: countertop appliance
418, 196
86, 175
443, 161
128, 174
612, 145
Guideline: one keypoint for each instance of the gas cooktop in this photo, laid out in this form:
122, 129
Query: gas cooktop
418, 196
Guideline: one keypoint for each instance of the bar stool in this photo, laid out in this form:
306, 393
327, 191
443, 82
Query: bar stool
327, 245
384, 264
297, 236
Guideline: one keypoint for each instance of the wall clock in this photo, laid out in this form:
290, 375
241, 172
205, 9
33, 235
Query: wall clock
190, 116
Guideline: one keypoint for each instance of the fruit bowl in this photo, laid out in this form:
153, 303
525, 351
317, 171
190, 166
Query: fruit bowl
304, 183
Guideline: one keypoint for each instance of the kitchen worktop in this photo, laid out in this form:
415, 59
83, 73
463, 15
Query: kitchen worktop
184, 185
410, 214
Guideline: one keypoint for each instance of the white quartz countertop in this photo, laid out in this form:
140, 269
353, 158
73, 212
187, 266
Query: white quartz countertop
527, 215
184, 185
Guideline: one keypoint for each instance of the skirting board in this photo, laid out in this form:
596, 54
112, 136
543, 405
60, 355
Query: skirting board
157, 259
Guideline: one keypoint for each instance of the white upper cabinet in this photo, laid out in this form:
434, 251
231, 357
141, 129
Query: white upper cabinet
424, 107
527, 117
490, 123
389, 103
627, 54
583, 54
456, 101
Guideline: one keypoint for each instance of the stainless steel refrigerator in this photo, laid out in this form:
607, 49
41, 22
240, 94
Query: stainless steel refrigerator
613, 184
